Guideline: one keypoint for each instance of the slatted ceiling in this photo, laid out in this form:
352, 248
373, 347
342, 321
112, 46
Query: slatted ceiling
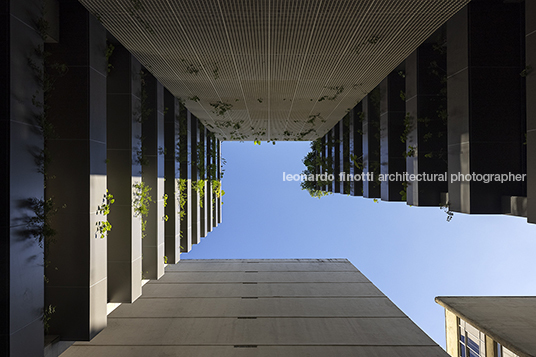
285, 52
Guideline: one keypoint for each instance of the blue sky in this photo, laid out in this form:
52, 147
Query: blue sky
412, 254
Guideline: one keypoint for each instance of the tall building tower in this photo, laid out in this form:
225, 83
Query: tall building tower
279, 307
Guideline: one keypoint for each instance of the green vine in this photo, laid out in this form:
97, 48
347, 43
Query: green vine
141, 202
412, 150
103, 227
109, 51
143, 112
47, 316
338, 90
404, 191
312, 161
526, 71
408, 127
220, 108
135, 10
183, 197
165, 198
199, 187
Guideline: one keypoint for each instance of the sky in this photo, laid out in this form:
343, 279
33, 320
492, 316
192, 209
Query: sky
412, 254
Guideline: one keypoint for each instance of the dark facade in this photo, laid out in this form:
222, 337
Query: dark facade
460, 106
88, 135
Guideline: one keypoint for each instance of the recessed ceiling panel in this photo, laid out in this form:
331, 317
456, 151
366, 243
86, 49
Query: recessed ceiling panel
271, 69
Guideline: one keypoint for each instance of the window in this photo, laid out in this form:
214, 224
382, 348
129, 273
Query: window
472, 341
504, 352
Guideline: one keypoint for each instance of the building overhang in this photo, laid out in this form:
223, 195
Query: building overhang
509, 320
271, 69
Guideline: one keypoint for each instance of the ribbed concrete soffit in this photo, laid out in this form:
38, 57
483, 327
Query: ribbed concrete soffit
271, 69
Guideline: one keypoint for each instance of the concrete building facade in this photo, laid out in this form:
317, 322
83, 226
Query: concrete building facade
260, 307
490, 326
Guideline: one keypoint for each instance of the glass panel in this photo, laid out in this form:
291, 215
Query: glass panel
473, 354
473, 345
462, 350
508, 353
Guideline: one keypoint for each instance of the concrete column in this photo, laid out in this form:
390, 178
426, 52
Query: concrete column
153, 176
220, 207
530, 50
392, 148
123, 130
77, 271
184, 159
486, 96
356, 149
452, 333
214, 160
330, 139
318, 168
425, 128
171, 173
371, 144
325, 156
336, 150
345, 152
202, 165
21, 257
194, 202
209, 208
491, 347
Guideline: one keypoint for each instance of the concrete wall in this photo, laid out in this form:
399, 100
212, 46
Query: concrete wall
508, 320
294, 307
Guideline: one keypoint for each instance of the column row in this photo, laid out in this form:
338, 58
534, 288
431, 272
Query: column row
106, 175
450, 126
